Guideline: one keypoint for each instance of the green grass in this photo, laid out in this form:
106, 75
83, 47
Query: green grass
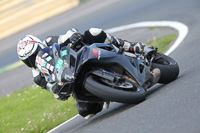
156, 27
162, 43
33, 110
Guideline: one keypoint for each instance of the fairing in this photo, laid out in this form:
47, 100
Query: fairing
68, 64
97, 55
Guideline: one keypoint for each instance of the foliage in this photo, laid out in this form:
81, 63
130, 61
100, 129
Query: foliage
162, 43
33, 110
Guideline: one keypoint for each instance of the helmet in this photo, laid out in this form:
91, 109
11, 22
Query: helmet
27, 49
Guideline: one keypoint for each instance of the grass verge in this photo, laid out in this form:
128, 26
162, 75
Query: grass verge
162, 43
33, 110
156, 27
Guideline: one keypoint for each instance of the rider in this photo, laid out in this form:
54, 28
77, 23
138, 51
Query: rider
29, 46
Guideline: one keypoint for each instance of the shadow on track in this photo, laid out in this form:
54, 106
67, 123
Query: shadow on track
119, 107
159, 86
116, 108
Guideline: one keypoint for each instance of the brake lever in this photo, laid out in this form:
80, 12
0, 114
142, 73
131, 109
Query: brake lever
150, 63
153, 54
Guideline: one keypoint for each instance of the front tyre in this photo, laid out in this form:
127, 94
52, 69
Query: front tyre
122, 93
168, 67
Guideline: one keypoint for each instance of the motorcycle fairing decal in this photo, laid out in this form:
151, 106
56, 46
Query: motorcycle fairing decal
99, 54
44, 64
51, 68
96, 53
59, 64
44, 55
53, 77
48, 66
45, 70
41, 62
42, 69
64, 52
48, 58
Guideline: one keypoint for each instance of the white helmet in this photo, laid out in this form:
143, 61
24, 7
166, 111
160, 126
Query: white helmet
27, 49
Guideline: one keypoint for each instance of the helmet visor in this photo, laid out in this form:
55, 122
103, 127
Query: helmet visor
30, 61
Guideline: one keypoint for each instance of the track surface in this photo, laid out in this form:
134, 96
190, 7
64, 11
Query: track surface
170, 108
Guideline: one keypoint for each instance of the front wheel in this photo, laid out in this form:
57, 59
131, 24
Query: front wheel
168, 67
127, 92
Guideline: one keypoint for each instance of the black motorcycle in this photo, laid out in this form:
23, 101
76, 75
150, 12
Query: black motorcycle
102, 72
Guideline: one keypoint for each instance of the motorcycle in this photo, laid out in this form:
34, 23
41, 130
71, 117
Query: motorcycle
101, 72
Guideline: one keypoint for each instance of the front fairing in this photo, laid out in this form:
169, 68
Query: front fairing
67, 63
97, 54
55, 61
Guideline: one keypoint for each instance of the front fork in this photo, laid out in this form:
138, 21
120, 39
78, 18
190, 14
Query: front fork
150, 55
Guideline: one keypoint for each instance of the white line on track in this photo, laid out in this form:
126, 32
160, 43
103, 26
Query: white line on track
180, 27
52, 130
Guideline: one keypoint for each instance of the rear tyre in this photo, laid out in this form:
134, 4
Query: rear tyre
120, 94
168, 67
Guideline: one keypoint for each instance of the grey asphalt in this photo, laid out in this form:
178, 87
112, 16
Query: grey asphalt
168, 108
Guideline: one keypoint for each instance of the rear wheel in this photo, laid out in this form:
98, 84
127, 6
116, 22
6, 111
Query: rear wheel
125, 92
168, 67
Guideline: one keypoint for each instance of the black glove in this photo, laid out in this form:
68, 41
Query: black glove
116, 41
76, 38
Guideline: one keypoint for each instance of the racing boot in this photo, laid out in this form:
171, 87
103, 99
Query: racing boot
155, 76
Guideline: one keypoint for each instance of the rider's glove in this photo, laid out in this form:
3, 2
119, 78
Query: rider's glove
116, 41
76, 38
136, 48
